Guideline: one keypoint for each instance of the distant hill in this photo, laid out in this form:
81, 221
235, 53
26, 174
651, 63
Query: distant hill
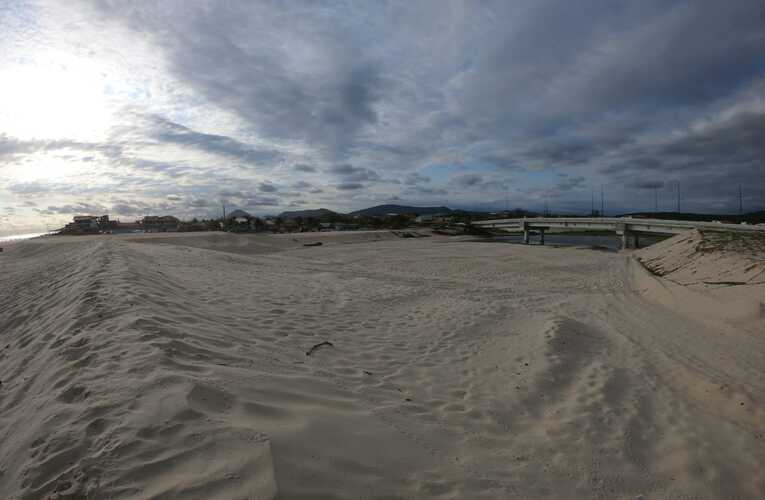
381, 210
316, 213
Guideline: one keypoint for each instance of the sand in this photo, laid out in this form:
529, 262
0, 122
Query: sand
175, 367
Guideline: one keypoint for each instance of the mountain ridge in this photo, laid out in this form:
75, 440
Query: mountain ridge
386, 209
375, 211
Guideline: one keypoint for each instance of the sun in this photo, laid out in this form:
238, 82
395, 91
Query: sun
56, 96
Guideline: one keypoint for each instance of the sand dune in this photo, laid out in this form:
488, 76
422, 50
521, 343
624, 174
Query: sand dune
709, 258
175, 366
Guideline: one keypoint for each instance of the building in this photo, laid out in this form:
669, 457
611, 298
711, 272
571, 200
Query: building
433, 219
160, 224
82, 224
126, 227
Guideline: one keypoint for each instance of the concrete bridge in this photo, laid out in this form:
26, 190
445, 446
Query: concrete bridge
628, 228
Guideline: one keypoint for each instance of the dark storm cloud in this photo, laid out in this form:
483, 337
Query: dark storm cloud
349, 186
468, 180
415, 178
349, 173
646, 184
710, 162
733, 144
301, 167
430, 191
267, 187
554, 153
570, 183
214, 51
168, 132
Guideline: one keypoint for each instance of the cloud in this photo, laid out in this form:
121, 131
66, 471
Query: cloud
349, 186
467, 180
327, 102
81, 208
646, 184
168, 132
415, 178
265, 201
200, 203
351, 173
12, 147
302, 167
430, 191
267, 188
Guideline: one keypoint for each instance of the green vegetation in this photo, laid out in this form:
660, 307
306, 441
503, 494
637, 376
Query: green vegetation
748, 243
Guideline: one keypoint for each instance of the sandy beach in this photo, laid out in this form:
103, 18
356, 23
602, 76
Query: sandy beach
221, 366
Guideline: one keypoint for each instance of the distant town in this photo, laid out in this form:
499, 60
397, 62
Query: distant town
378, 217
239, 221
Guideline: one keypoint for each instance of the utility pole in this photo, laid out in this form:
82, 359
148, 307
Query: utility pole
678, 196
592, 204
224, 210
602, 202
740, 200
655, 200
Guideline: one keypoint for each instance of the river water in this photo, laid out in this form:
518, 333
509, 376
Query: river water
597, 241
13, 238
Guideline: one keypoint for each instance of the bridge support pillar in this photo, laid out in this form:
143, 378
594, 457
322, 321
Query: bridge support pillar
637, 241
525, 228
625, 233
542, 236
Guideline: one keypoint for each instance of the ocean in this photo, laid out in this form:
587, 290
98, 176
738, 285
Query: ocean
11, 238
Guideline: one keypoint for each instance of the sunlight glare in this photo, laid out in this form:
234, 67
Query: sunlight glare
66, 99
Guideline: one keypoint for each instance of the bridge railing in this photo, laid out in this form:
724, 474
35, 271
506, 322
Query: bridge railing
614, 223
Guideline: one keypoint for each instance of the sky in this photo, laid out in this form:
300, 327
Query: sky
176, 107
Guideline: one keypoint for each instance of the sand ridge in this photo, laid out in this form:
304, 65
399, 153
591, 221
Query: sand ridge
175, 367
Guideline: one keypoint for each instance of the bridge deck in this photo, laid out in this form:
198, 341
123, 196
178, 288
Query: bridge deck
617, 224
